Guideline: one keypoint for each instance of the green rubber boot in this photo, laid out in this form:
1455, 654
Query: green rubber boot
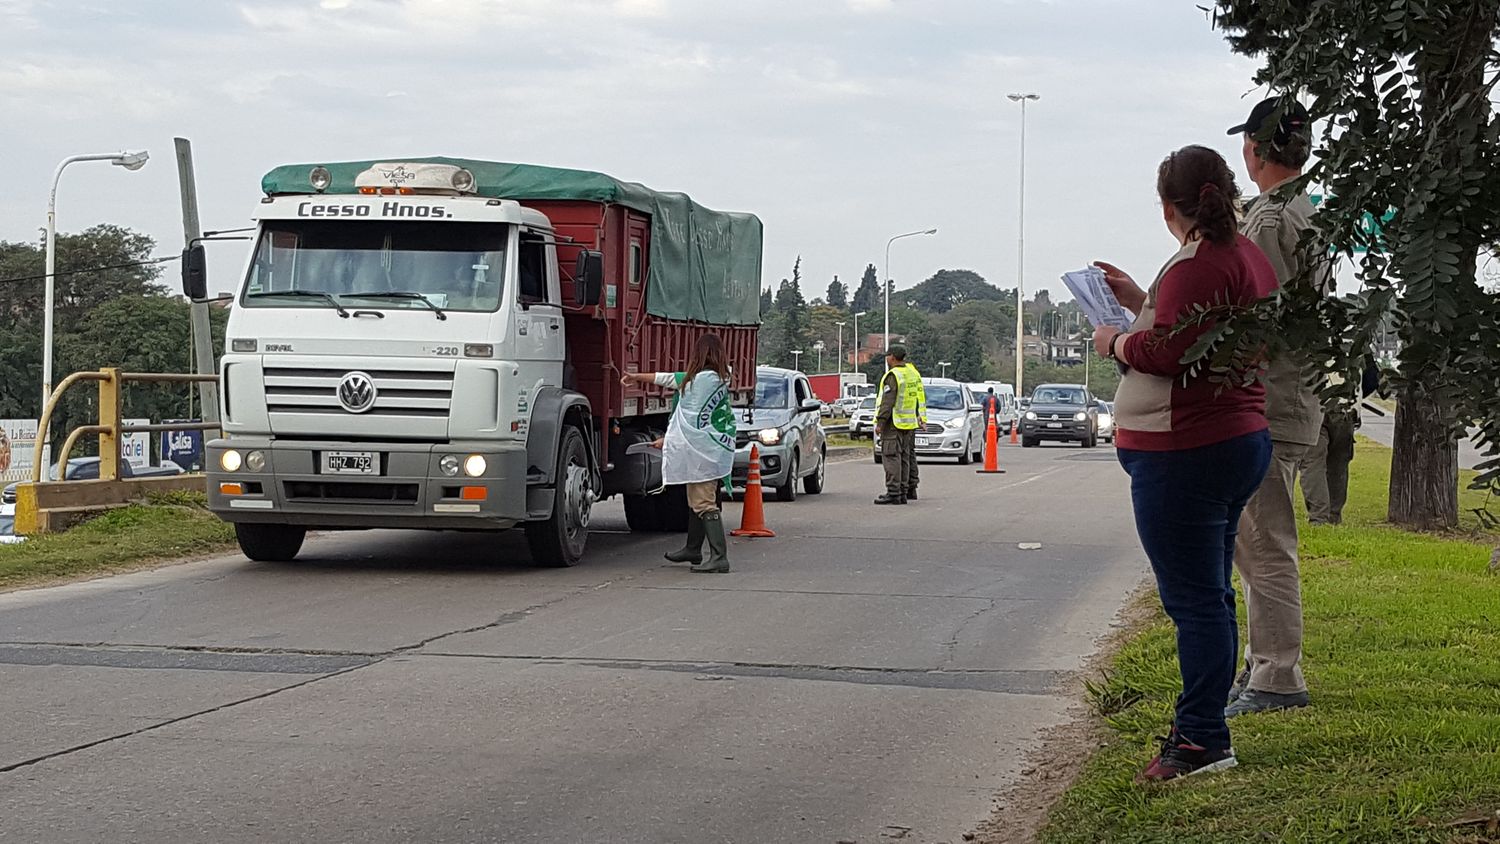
718, 544
692, 552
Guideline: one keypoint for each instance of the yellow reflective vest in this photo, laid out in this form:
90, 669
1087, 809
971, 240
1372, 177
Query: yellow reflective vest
911, 398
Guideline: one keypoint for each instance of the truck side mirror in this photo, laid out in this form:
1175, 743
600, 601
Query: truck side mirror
588, 278
195, 273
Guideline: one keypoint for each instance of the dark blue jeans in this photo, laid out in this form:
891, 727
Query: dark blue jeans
1187, 512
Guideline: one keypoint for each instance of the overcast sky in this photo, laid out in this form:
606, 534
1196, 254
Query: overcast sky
839, 122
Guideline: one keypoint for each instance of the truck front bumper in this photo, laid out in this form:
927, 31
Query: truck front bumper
406, 488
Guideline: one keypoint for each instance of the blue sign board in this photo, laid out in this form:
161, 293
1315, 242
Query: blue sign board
185, 448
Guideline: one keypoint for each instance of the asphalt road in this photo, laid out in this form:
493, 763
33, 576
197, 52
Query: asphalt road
871, 674
1382, 429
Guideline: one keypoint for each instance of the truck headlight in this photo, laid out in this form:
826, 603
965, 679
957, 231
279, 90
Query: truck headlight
449, 465
769, 436
1031, 415
955, 423
475, 465
255, 461
1080, 416
230, 461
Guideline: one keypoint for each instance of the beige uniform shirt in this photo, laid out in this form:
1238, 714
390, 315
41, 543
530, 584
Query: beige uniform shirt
1276, 226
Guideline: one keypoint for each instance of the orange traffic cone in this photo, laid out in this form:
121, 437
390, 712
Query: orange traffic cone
991, 450
753, 514
1014, 426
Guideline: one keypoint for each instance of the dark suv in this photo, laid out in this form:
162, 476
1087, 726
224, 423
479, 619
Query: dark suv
1061, 412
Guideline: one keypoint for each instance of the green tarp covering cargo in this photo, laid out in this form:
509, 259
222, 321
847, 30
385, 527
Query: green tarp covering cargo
704, 264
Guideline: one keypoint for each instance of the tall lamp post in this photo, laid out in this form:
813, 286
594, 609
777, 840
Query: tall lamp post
128, 160
854, 340
944, 364
1023, 99
841, 344
819, 347
797, 359
887, 292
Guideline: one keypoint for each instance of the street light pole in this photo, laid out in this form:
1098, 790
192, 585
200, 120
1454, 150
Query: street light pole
887, 285
819, 347
944, 364
797, 359
854, 340
841, 345
1023, 99
128, 160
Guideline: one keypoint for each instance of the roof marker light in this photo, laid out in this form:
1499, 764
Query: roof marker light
320, 178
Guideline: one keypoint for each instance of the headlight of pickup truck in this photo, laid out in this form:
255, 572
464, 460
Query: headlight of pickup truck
1031, 415
1080, 416
769, 436
955, 423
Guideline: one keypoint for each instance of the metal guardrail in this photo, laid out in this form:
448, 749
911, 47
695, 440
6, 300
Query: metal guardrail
38, 500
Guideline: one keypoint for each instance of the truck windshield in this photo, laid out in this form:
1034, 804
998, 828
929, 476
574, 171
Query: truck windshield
450, 266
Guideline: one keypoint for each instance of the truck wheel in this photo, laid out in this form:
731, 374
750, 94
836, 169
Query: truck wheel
788, 490
270, 543
640, 513
559, 541
1029, 442
814, 483
671, 510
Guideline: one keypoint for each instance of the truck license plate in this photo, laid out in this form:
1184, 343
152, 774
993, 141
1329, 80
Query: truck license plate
349, 462
1054, 424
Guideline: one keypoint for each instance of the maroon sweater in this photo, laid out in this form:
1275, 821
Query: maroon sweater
1159, 407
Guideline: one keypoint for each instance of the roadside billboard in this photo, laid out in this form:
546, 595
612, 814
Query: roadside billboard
135, 449
17, 444
185, 448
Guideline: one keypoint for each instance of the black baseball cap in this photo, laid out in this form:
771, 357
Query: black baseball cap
1294, 119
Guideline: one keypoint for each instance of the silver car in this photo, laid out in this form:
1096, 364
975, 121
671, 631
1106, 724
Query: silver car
784, 423
863, 420
955, 423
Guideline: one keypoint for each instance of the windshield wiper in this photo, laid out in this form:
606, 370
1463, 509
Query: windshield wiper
399, 294
312, 294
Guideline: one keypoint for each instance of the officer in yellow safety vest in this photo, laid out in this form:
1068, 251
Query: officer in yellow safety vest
900, 412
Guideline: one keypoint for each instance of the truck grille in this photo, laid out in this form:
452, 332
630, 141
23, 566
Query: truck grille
404, 393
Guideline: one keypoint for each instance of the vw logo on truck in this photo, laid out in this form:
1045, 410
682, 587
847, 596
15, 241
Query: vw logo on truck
357, 392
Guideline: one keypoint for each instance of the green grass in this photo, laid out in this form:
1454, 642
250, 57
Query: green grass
844, 440
1402, 654
170, 526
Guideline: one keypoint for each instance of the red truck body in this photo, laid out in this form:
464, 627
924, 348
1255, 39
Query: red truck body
618, 335
830, 387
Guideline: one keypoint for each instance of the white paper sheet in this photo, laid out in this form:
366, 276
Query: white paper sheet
1096, 300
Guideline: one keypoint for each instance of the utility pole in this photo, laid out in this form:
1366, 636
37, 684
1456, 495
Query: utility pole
192, 230
1023, 99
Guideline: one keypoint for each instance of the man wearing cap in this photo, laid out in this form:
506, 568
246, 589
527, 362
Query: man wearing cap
900, 411
1278, 142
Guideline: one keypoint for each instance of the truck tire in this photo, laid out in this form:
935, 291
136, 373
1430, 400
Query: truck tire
1029, 442
671, 510
560, 540
270, 543
814, 483
640, 513
788, 490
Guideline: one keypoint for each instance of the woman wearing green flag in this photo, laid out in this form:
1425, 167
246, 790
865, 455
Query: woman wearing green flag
698, 450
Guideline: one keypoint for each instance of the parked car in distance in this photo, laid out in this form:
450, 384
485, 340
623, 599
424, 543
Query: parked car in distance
1107, 421
955, 423
8, 526
1063, 413
87, 469
825, 409
863, 420
783, 421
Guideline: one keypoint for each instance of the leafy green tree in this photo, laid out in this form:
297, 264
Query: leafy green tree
947, 289
867, 295
1405, 87
838, 294
766, 302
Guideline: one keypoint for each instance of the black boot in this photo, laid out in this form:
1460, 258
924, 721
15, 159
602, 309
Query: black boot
692, 551
891, 499
718, 544
911, 495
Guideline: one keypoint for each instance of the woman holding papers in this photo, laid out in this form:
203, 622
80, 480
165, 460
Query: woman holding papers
698, 450
1195, 450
